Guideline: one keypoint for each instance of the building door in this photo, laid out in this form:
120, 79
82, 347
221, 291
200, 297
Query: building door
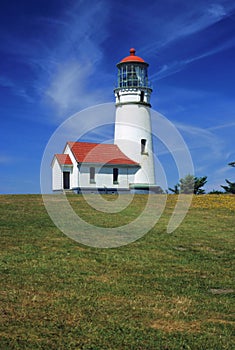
66, 178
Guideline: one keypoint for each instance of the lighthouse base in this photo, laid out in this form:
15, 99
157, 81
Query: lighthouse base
145, 189
133, 188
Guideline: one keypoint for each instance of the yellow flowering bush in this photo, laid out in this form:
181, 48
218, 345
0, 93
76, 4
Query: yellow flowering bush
214, 201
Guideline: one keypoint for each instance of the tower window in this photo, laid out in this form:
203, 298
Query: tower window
118, 96
115, 176
143, 146
142, 96
92, 175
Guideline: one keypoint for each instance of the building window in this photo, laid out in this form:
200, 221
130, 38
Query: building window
115, 176
92, 175
143, 146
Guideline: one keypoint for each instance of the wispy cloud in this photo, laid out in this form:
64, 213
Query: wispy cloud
15, 88
222, 126
177, 66
217, 178
198, 19
189, 20
61, 64
77, 56
217, 11
182, 23
201, 138
209, 151
69, 88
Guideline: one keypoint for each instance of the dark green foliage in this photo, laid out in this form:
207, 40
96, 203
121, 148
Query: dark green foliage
216, 192
187, 184
230, 188
176, 189
232, 164
190, 184
199, 182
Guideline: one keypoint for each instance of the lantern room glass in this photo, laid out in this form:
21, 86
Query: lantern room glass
132, 75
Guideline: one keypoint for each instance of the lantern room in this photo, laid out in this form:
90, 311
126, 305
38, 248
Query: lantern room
132, 71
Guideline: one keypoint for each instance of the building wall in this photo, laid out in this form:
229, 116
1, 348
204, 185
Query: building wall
74, 175
104, 177
57, 175
57, 179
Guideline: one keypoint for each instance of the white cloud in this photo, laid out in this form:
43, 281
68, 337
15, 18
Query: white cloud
198, 19
216, 11
72, 65
207, 149
222, 126
15, 88
191, 18
218, 176
70, 88
201, 136
177, 66
209, 154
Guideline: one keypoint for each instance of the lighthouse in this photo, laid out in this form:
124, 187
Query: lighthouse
128, 164
133, 130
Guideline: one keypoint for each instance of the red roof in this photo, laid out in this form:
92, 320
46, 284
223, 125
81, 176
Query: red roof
101, 153
132, 57
64, 159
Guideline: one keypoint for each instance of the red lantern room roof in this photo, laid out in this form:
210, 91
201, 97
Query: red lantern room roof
132, 57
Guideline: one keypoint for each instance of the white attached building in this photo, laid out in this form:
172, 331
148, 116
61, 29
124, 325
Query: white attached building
92, 167
128, 164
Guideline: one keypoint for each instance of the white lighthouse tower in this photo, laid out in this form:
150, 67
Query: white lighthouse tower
133, 132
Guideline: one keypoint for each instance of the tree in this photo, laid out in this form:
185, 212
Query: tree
176, 189
187, 184
231, 185
199, 182
216, 192
190, 184
230, 188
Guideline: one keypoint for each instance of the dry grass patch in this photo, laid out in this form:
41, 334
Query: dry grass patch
172, 326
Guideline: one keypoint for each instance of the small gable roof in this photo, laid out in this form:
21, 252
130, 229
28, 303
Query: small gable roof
63, 159
100, 153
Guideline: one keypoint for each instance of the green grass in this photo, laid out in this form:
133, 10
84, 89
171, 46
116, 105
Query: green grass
164, 291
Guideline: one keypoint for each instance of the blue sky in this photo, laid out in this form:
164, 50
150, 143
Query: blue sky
59, 57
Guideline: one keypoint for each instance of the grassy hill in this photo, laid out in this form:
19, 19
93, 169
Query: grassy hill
164, 291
